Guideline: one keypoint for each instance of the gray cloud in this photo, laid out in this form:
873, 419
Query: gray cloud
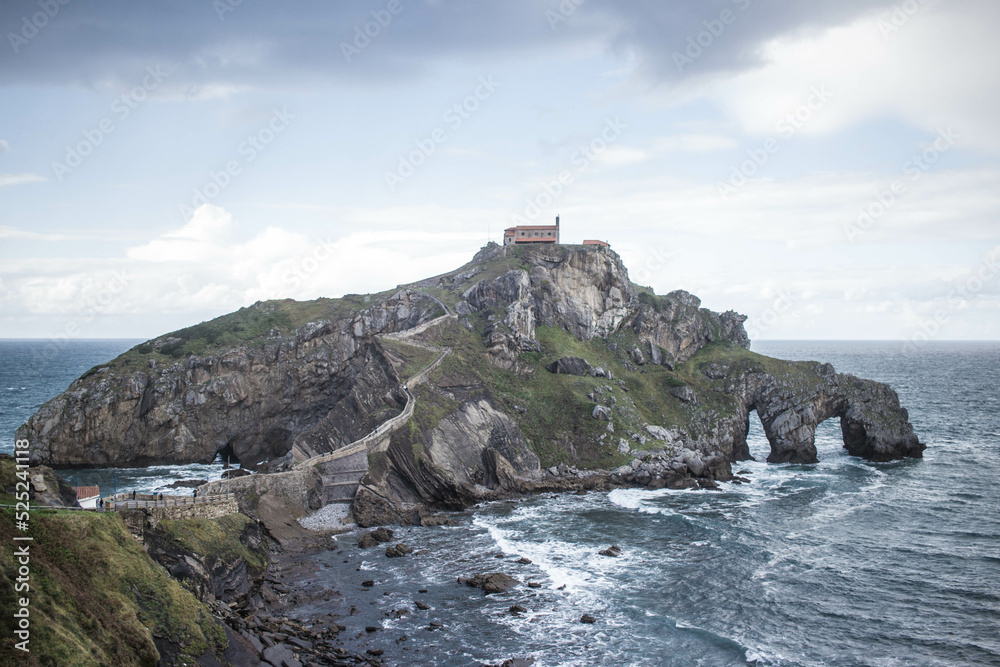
260, 44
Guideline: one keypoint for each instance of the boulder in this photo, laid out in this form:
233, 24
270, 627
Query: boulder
280, 655
602, 413
375, 538
382, 534
570, 366
613, 551
398, 550
493, 582
685, 394
587, 618
637, 357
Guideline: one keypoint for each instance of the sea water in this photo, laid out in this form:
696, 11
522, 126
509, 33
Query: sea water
844, 562
33, 371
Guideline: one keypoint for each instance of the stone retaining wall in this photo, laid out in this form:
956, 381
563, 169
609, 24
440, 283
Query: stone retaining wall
301, 487
144, 518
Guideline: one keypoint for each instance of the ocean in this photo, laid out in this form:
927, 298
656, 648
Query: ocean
843, 562
32, 372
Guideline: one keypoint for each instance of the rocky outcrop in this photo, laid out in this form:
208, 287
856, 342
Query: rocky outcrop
472, 453
320, 385
587, 292
675, 327
493, 582
583, 290
791, 406
312, 388
48, 489
570, 366
230, 570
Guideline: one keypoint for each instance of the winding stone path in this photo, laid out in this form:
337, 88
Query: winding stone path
342, 470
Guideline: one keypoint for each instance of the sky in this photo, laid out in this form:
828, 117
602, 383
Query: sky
830, 168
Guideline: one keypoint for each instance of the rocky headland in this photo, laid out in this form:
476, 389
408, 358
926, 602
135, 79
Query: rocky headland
551, 371
530, 369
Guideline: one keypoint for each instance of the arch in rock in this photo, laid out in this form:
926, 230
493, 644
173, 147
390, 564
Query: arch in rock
873, 424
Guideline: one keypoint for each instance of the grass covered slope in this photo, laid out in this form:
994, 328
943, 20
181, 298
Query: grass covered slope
96, 597
249, 326
555, 412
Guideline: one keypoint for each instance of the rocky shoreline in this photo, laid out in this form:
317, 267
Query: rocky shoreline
313, 606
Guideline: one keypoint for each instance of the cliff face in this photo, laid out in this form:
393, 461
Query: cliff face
312, 387
651, 376
587, 292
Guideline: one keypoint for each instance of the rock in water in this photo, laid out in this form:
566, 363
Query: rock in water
398, 550
494, 582
612, 551
374, 538
587, 618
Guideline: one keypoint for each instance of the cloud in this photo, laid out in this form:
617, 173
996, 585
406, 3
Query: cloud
20, 179
694, 143
206, 238
618, 155
106, 44
928, 72
210, 261
12, 233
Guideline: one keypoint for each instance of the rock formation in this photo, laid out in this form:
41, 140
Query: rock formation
553, 361
311, 386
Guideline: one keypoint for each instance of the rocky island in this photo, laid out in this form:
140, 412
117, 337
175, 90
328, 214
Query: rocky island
531, 368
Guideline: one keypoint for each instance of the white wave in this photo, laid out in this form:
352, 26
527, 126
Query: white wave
630, 499
578, 567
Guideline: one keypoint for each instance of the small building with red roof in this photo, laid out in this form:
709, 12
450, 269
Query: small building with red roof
523, 234
87, 496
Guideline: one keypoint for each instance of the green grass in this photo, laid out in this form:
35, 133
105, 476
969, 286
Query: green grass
96, 597
248, 326
431, 407
415, 359
558, 422
217, 539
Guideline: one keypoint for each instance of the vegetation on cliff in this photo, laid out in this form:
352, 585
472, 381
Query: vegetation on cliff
96, 597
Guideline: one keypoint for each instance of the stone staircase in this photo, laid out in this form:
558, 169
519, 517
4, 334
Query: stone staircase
343, 469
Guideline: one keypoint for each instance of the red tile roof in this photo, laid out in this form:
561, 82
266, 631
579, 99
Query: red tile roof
85, 492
